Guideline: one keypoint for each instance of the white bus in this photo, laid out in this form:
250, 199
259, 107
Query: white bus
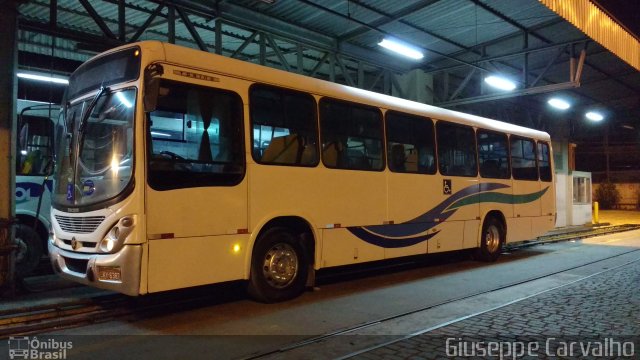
34, 160
182, 168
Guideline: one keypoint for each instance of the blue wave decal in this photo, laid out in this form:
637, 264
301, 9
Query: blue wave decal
413, 231
385, 242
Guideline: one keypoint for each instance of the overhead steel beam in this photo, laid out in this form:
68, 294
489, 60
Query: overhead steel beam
511, 55
192, 30
345, 74
409, 24
486, 44
521, 27
121, 20
529, 91
462, 85
390, 18
97, 18
73, 35
146, 24
244, 44
333, 12
552, 61
276, 49
247, 18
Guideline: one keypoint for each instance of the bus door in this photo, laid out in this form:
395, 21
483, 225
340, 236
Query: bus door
525, 188
196, 191
548, 197
493, 161
458, 207
412, 182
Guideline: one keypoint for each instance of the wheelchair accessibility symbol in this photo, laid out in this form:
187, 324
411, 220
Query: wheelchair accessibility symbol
446, 186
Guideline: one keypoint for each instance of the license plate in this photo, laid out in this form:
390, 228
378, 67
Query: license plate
109, 273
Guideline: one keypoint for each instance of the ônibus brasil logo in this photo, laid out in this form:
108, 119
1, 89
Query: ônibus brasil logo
24, 347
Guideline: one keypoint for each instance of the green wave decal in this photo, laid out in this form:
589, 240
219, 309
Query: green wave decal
495, 197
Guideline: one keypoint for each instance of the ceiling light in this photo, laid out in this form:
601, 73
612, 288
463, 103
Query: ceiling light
500, 82
401, 48
594, 116
52, 79
559, 103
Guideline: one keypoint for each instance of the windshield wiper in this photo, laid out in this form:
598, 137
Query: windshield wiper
87, 112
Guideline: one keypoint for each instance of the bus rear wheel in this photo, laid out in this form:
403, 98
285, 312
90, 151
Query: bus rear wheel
491, 240
278, 266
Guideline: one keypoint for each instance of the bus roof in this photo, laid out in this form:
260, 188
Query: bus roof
257, 73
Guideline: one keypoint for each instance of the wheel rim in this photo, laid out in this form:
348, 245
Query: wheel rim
280, 265
492, 238
21, 252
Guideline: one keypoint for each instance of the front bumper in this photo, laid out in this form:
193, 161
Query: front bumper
83, 268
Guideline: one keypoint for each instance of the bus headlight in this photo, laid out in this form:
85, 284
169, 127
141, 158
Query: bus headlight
116, 236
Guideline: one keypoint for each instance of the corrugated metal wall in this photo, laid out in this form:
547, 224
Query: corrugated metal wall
599, 26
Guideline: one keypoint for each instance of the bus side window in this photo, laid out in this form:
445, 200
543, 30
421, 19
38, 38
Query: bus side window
456, 149
410, 143
196, 137
493, 154
351, 135
544, 163
523, 159
283, 123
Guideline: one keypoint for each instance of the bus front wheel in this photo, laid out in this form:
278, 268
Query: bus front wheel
29, 250
491, 240
278, 266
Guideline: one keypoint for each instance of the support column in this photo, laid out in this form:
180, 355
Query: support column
8, 87
417, 86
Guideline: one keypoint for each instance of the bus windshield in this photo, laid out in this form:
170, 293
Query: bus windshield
95, 154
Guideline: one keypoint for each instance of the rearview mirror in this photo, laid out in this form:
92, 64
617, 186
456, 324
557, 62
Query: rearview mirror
152, 76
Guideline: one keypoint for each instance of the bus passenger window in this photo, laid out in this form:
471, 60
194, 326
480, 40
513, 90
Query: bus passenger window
283, 123
493, 155
544, 163
456, 149
195, 137
351, 136
410, 143
523, 159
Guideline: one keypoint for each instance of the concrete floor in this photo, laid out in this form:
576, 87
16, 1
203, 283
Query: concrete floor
339, 304
619, 217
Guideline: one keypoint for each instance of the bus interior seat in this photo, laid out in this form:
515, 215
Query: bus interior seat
411, 162
332, 153
397, 159
308, 155
282, 149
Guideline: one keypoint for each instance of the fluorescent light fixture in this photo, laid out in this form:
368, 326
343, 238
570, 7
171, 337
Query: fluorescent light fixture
52, 79
23, 152
500, 82
559, 103
124, 100
401, 48
594, 116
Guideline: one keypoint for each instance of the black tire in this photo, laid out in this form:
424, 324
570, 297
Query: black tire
279, 266
29, 252
491, 240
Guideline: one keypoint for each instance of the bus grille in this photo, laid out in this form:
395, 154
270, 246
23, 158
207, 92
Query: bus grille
79, 225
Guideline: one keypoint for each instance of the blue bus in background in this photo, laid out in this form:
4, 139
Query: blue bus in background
34, 164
